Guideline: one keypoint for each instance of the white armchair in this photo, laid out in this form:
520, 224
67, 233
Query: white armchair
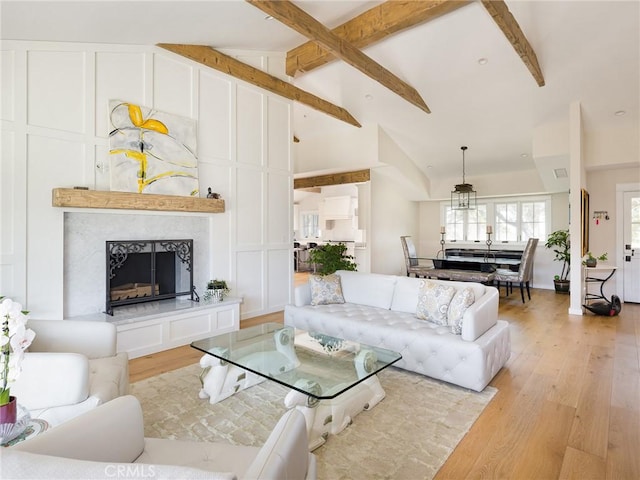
70, 368
108, 442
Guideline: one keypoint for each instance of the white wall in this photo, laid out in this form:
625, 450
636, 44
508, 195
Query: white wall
55, 134
392, 216
344, 148
507, 183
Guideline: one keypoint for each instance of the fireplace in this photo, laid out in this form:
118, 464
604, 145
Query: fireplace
148, 270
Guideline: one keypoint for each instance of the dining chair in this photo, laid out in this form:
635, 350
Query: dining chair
411, 259
524, 274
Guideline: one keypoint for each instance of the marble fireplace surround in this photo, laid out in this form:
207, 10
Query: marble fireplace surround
84, 255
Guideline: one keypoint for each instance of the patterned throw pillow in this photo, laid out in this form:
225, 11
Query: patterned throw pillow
462, 300
433, 301
325, 289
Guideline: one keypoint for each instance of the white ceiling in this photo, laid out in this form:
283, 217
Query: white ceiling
589, 51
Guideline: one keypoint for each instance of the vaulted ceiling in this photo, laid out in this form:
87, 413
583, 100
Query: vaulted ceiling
478, 77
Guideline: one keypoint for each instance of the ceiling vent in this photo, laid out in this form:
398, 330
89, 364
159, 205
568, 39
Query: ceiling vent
560, 173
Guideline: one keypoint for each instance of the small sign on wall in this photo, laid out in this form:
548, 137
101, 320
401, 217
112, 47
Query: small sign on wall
151, 151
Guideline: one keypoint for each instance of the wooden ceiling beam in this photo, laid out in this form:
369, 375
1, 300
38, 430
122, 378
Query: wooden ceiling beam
370, 27
224, 63
300, 21
509, 26
356, 176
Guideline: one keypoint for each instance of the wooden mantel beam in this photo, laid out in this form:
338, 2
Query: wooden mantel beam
509, 26
370, 27
356, 176
300, 21
224, 63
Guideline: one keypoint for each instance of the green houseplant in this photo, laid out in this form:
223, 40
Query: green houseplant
216, 290
331, 257
560, 243
591, 261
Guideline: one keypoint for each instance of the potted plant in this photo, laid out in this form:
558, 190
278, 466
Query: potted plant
331, 257
15, 338
591, 261
560, 243
216, 290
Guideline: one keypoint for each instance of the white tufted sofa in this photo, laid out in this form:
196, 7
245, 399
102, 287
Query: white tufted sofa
379, 310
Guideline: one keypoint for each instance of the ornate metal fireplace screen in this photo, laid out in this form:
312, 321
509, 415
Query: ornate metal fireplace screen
148, 270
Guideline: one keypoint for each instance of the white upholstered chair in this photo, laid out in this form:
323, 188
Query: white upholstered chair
524, 275
108, 442
412, 261
71, 367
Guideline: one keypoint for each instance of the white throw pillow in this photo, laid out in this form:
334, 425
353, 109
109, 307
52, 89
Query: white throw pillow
433, 301
325, 289
462, 300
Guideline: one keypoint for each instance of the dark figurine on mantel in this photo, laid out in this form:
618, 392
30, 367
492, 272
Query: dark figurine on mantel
210, 194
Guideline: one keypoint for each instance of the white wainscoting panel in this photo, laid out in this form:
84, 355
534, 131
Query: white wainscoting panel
278, 222
249, 112
278, 139
102, 181
7, 93
155, 333
217, 176
249, 221
214, 128
56, 90
249, 282
119, 76
51, 163
172, 86
12, 219
140, 337
278, 265
7, 195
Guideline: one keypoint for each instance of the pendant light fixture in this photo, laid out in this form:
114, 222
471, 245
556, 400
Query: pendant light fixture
463, 196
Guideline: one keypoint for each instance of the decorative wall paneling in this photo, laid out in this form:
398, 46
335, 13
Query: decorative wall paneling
55, 134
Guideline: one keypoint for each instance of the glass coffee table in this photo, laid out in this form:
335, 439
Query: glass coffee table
331, 379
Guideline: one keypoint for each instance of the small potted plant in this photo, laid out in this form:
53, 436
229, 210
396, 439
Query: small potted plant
560, 243
591, 261
15, 338
216, 290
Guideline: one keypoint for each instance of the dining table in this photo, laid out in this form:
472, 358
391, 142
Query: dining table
487, 263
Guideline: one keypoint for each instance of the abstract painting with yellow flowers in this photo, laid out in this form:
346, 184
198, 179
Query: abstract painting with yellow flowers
151, 151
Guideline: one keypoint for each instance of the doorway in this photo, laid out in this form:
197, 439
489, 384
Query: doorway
631, 246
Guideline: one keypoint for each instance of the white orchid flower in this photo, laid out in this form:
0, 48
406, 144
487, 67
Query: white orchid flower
15, 338
21, 339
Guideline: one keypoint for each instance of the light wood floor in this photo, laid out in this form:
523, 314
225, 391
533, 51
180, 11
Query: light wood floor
568, 401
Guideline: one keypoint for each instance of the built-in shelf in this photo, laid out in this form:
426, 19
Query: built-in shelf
78, 198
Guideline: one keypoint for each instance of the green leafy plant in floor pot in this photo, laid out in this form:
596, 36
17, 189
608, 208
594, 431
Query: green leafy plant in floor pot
331, 257
560, 243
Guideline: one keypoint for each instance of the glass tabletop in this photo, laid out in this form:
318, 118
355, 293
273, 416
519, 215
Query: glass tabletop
315, 364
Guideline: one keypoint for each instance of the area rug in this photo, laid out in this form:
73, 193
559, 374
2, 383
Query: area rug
409, 435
